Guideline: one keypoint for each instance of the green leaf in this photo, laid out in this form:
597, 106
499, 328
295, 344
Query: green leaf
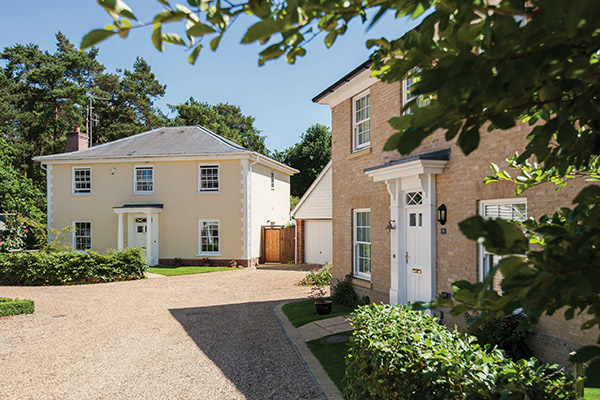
200, 29
194, 54
468, 140
263, 30
215, 42
585, 353
94, 37
168, 16
157, 37
172, 38
117, 7
502, 121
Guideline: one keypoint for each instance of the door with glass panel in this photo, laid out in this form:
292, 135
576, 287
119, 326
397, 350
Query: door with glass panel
414, 258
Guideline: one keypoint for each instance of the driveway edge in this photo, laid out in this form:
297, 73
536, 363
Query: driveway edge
310, 362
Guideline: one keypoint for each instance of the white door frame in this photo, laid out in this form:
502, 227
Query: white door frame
152, 218
401, 178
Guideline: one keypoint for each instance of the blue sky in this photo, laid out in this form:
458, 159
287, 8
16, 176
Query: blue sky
278, 94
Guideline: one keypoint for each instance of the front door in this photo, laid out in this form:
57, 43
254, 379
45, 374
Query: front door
414, 257
140, 230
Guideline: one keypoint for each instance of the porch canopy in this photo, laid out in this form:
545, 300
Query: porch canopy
149, 210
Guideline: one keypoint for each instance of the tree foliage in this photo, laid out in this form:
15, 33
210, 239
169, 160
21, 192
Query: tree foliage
225, 119
480, 65
310, 155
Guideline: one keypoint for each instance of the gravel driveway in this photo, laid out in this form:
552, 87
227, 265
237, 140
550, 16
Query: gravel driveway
206, 336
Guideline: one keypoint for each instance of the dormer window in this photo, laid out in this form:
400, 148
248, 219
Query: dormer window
361, 116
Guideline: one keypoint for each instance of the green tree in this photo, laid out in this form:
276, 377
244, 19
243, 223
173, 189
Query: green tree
18, 194
130, 106
309, 156
479, 65
226, 120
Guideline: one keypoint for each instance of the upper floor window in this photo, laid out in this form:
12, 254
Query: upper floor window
82, 180
143, 180
361, 121
408, 90
272, 180
82, 235
510, 209
208, 178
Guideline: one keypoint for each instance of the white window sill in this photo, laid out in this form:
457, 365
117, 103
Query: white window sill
81, 194
208, 254
360, 152
208, 192
137, 193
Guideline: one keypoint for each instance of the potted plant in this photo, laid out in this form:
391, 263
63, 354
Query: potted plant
322, 303
178, 262
233, 264
206, 262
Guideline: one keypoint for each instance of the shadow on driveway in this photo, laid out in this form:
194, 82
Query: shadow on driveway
289, 267
246, 342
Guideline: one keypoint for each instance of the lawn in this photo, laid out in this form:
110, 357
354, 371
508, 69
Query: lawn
303, 311
592, 394
332, 357
169, 270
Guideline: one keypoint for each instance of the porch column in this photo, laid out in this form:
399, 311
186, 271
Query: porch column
120, 232
149, 238
397, 270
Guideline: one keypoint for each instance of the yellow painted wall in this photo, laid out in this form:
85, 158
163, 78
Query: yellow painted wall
268, 204
175, 186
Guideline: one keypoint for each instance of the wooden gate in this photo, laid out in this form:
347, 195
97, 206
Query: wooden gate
277, 244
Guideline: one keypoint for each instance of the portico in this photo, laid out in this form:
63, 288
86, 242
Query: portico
142, 228
411, 185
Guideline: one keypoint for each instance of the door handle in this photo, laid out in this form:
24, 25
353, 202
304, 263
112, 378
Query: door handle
406, 257
417, 271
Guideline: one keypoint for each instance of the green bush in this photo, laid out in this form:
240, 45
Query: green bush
503, 333
61, 267
343, 293
10, 307
317, 277
398, 353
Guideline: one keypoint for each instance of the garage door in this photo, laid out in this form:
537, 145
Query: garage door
317, 242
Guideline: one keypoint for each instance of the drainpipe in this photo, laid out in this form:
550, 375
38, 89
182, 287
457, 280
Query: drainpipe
248, 210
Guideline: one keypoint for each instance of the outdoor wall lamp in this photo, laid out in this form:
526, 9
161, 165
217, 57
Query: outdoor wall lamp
391, 225
442, 214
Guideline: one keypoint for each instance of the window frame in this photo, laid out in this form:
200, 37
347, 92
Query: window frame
405, 97
73, 186
145, 166
74, 235
355, 270
355, 146
208, 253
482, 251
205, 165
272, 180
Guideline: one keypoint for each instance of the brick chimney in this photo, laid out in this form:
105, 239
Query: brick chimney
77, 140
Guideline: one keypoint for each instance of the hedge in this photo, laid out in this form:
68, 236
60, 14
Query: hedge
64, 267
397, 353
10, 307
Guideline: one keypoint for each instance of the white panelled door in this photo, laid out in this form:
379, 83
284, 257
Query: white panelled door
140, 227
416, 269
317, 242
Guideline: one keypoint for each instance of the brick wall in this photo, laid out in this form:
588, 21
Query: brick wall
460, 187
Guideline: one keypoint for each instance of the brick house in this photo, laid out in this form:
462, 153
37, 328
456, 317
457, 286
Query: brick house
385, 206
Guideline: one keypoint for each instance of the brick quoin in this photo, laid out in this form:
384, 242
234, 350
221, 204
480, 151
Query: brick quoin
460, 187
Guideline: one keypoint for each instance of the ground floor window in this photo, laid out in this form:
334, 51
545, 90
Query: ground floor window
362, 243
82, 235
209, 242
509, 209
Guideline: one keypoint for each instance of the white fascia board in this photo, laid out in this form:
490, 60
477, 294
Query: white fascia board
411, 168
269, 162
359, 83
311, 188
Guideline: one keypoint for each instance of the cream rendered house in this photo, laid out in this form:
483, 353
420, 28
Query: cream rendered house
178, 192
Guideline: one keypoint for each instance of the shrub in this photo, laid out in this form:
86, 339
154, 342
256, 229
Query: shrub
397, 353
10, 307
317, 277
58, 268
343, 293
503, 333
